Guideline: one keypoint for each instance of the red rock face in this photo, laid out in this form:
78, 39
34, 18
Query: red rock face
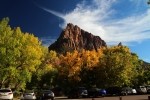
74, 38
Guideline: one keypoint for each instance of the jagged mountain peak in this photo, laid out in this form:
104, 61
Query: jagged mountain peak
75, 38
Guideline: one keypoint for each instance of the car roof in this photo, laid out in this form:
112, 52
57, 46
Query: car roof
29, 91
46, 90
5, 89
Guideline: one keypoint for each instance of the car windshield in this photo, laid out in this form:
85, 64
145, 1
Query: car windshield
82, 88
126, 88
147, 86
28, 91
47, 91
5, 90
142, 86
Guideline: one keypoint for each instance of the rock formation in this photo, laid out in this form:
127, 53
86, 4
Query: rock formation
74, 38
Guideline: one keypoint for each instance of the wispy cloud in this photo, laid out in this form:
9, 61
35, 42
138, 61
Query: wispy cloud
96, 18
48, 40
146, 59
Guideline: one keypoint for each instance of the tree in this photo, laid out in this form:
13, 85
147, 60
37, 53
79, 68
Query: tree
117, 67
148, 2
89, 61
143, 77
77, 68
20, 55
46, 73
70, 65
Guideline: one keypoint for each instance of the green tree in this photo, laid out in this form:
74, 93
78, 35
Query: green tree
20, 55
46, 73
117, 67
143, 77
148, 2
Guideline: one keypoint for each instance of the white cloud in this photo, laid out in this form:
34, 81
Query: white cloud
48, 40
130, 29
97, 19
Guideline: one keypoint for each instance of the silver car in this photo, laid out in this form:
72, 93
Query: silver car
6, 93
28, 95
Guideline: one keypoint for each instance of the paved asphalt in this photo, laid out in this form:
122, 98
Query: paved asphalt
130, 97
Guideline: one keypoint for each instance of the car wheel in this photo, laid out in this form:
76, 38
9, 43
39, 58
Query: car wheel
103, 95
52, 98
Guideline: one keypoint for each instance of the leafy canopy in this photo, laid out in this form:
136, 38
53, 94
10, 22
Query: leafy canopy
20, 55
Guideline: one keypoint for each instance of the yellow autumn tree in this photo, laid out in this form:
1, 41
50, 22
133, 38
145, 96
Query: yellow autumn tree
70, 64
90, 59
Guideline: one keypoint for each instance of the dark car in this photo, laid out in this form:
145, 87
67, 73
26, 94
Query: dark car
102, 92
46, 94
148, 89
141, 90
78, 92
114, 91
96, 92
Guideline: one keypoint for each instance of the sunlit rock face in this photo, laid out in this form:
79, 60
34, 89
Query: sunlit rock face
74, 38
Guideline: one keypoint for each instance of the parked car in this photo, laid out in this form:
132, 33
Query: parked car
126, 91
102, 92
57, 91
46, 94
28, 95
6, 93
134, 91
114, 90
148, 88
141, 90
78, 92
96, 92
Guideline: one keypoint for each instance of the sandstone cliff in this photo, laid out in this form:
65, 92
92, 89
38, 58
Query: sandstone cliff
74, 38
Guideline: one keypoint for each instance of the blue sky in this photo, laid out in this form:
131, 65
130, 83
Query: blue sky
126, 21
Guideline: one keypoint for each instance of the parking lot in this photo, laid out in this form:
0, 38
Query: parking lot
130, 97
